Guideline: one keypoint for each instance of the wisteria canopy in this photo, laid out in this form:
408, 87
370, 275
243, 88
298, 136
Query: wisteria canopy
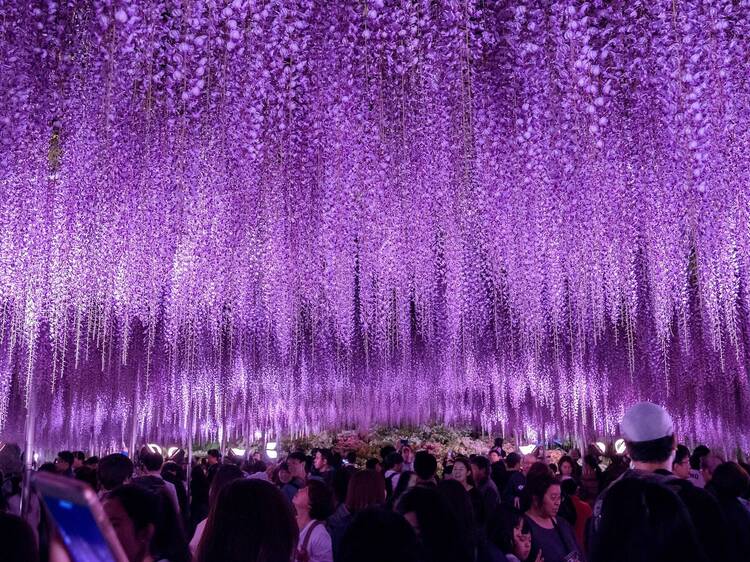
225, 217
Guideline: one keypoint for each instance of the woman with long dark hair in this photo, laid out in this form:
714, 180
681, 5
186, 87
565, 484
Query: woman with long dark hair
251, 522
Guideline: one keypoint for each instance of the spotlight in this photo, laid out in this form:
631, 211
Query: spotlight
601, 447
527, 449
620, 446
171, 451
237, 452
271, 451
154, 448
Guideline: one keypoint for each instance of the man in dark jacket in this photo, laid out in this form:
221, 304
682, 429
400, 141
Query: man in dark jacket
648, 431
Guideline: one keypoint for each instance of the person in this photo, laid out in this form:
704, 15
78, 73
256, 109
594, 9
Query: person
199, 490
18, 542
550, 534
281, 475
681, 462
93, 462
729, 482
709, 463
462, 474
497, 468
394, 464
406, 482
79, 458
591, 478
436, 526
480, 472
88, 475
252, 522
112, 471
146, 524
508, 537
151, 461
695, 465
565, 466
213, 460
296, 462
515, 481
425, 466
645, 521
373, 464
323, 465
527, 462
313, 505
132, 511
366, 489
173, 473
648, 432
377, 535
225, 475
582, 509
64, 463
407, 454
469, 528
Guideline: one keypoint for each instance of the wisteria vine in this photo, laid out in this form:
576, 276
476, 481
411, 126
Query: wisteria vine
219, 217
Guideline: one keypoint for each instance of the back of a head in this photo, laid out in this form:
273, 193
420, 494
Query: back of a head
151, 460
711, 462
425, 465
513, 460
698, 453
155, 506
321, 500
252, 522
88, 475
226, 474
340, 482
539, 469
648, 431
376, 535
460, 503
387, 450
366, 489
439, 532
392, 460
483, 463
644, 521
17, 540
730, 480
66, 456
114, 470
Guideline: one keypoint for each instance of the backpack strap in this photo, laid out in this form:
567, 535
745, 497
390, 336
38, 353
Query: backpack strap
306, 540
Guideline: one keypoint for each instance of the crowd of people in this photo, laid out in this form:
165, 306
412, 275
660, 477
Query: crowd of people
656, 502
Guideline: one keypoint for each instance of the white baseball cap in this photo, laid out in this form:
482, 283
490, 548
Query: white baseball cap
645, 422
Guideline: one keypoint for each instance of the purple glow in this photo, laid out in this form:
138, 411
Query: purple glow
293, 216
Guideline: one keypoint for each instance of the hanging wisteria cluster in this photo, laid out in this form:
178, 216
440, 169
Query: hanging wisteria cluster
218, 217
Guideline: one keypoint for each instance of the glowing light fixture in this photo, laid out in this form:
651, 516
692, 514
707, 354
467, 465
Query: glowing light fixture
620, 446
237, 452
527, 449
601, 447
154, 448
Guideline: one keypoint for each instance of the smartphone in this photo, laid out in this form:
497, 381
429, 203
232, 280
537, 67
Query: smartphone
79, 518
